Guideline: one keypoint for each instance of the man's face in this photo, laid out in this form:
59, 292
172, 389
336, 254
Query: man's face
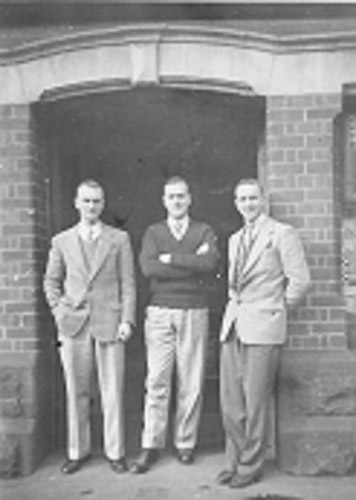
249, 201
177, 200
89, 203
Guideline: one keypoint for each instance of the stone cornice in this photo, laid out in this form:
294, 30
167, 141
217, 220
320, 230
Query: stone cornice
160, 33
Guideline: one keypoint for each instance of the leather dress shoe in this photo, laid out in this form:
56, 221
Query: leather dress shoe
148, 457
242, 481
186, 457
225, 476
72, 466
119, 465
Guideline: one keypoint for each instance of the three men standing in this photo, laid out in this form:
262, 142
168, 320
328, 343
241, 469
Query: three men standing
177, 256
90, 287
268, 276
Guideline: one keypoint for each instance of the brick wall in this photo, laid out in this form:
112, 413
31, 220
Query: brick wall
23, 339
302, 187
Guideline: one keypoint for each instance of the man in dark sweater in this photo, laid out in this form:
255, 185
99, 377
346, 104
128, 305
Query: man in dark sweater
177, 256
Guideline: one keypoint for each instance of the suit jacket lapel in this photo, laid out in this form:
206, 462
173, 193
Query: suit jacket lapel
261, 240
102, 250
77, 251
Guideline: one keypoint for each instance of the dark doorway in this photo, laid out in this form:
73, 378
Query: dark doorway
131, 141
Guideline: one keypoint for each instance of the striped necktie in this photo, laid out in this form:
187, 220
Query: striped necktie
242, 253
246, 244
90, 235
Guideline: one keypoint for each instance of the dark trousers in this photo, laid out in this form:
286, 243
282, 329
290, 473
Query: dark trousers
247, 376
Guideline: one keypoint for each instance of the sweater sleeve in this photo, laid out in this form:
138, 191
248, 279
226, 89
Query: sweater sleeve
199, 263
151, 266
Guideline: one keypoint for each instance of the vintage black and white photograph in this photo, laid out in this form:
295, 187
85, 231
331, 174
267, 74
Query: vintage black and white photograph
177, 250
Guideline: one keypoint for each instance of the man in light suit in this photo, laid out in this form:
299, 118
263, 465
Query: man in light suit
268, 275
90, 287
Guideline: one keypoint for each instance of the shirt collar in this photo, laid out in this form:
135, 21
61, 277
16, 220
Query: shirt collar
257, 222
183, 226
84, 229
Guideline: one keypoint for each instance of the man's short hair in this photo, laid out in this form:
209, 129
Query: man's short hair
249, 182
90, 183
176, 179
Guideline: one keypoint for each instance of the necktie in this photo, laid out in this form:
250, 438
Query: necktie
178, 229
90, 235
242, 253
246, 243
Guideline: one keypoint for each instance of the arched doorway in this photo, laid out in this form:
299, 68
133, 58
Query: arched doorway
130, 140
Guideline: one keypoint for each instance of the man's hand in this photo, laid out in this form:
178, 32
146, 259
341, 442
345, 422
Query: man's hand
203, 249
124, 332
165, 258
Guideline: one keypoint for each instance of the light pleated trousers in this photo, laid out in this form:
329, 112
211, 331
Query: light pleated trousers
78, 357
247, 376
174, 338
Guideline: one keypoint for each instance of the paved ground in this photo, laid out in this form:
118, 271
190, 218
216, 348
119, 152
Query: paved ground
168, 480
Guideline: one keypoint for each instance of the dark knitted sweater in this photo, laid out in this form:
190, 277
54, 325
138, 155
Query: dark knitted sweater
182, 283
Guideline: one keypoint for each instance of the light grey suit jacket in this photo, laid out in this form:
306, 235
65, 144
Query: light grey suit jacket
101, 297
275, 277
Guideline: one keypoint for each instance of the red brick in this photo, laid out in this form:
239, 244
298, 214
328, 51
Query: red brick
288, 115
18, 255
328, 327
31, 345
290, 142
21, 333
15, 203
318, 194
315, 114
339, 341
11, 124
312, 342
305, 154
285, 168
319, 221
319, 167
291, 155
289, 196
323, 274
6, 345
276, 102
17, 229
322, 154
309, 208
298, 328
276, 155
275, 130
319, 141
316, 127
10, 320
21, 111
302, 101
337, 314
327, 100
19, 307
327, 300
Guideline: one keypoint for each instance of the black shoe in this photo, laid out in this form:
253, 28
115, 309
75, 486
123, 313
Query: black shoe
186, 456
71, 466
225, 476
119, 465
148, 457
242, 481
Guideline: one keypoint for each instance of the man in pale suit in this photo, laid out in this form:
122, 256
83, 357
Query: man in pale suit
268, 276
90, 287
